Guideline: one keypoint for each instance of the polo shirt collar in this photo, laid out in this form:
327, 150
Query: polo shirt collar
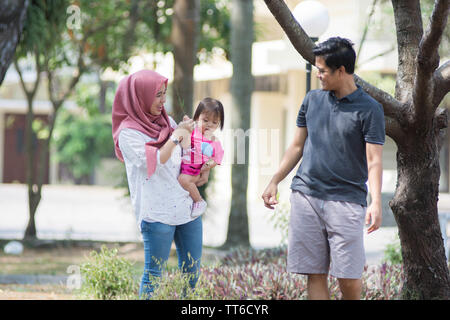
350, 97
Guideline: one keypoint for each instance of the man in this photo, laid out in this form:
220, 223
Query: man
339, 137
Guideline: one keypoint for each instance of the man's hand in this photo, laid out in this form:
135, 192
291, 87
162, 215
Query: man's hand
373, 217
270, 196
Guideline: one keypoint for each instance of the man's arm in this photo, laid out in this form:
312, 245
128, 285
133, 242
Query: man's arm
290, 159
374, 153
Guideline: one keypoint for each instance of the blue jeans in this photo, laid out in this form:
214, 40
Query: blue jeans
158, 239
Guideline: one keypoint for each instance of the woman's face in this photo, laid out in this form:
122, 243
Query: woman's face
160, 99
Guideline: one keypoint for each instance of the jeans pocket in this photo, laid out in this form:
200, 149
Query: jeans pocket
145, 226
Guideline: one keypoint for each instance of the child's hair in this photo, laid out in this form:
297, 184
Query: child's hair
210, 105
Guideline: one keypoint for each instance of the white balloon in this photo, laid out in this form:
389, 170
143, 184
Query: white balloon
312, 16
13, 247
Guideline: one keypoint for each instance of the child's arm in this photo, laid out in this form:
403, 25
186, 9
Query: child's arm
208, 165
204, 176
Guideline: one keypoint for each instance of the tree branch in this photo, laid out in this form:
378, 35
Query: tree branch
394, 130
58, 101
428, 60
429, 44
408, 21
298, 37
392, 107
392, 48
441, 118
441, 78
366, 30
29, 93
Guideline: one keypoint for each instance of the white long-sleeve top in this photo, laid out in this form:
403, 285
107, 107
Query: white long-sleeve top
159, 198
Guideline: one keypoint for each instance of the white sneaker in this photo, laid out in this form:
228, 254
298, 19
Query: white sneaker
198, 208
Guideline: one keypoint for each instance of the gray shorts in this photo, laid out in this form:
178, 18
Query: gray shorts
320, 231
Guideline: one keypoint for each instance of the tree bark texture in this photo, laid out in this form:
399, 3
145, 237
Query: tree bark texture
415, 211
416, 123
241, 91
184, 37
12, 17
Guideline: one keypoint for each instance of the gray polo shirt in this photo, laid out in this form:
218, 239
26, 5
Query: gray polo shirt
334, 164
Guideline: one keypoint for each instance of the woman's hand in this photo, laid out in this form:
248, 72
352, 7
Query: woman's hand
187, 124
183, 132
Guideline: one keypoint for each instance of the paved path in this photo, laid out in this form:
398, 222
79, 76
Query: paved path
102, 213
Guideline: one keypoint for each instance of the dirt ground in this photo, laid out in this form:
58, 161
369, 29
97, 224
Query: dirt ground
55, 261
35, 292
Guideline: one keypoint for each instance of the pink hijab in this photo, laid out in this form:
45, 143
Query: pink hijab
131, 109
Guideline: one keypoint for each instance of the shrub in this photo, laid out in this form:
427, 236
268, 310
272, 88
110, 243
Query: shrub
107, 276
383, 282
393, 253
261, 274
174, 285
242, 274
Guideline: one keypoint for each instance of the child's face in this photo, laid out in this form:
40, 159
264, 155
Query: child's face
208, 122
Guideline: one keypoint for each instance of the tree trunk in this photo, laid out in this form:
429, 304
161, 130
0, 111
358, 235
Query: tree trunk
185, 24
415, 210
12, 17
241, 91
34, 194
34, 197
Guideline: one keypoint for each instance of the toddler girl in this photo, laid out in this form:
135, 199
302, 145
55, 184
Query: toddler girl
205, 151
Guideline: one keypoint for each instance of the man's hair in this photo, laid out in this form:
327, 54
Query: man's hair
337, 52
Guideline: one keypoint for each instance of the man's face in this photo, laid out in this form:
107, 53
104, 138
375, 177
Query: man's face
329, 79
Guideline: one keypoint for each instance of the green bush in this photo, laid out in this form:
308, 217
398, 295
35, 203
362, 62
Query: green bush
106, 276
393, 253
174, 285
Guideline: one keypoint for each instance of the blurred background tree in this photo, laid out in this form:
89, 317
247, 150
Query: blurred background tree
190, 29
242, 38
64, 40
63, 48
82, 139
12, 18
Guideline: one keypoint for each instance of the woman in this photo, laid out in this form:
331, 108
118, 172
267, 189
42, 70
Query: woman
147, 140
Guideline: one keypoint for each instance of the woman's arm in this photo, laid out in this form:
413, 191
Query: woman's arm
166, 150
184, 129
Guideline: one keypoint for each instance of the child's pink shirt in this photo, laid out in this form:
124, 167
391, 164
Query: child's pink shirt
201, 151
